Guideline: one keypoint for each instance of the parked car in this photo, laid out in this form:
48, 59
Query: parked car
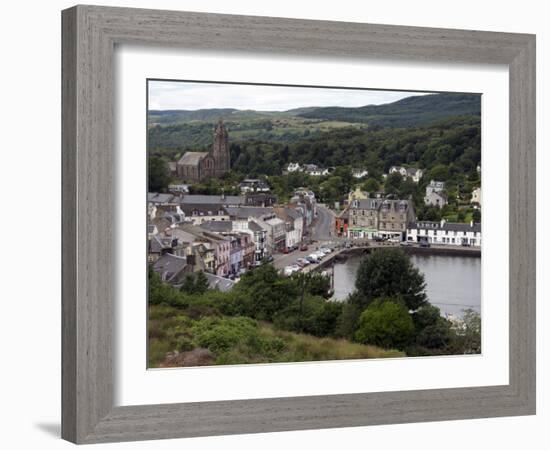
303, 248
424, 244
304, 261
405, 244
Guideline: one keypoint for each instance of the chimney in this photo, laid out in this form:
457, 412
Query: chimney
442, 222
471, 223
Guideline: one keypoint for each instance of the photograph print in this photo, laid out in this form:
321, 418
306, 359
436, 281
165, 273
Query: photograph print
296, 223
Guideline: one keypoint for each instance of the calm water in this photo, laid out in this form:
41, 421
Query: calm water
453, 283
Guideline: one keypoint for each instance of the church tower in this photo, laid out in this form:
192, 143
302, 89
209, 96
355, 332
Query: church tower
220, 149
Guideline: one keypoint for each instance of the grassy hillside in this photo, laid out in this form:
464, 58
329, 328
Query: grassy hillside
189, 340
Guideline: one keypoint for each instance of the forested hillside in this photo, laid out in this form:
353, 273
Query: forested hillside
411, 111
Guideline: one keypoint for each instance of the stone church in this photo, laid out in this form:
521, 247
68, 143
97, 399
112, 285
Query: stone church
196, 166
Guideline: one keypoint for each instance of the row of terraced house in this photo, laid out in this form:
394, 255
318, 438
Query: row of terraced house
221, 235
371, 218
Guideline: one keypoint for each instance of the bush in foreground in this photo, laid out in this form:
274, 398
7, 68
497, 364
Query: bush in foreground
385, 323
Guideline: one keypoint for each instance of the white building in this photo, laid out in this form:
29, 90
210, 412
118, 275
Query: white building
314, 170
294, 225
445, 233
435, 195
359, 173
253, 185
476, 196
293, 167
412, 172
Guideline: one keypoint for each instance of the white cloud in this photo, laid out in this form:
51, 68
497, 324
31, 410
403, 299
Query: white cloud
192, 96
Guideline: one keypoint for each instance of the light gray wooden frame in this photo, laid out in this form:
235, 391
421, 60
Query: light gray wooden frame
89, 36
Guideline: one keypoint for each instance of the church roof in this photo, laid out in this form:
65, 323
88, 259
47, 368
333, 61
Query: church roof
192, 158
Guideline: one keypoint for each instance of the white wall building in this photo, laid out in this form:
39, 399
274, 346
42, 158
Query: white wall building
435, 195
445, 233
293, 167
412, 172
476, 196
359, 173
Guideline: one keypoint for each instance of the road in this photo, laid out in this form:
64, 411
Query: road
321, 231
323, 227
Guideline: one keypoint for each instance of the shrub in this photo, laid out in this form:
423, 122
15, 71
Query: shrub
432, 330
220, 334
385, 323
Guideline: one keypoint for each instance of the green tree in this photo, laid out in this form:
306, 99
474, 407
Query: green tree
201, 283
188, 285
389, 273
385, 323
393, 183
432, 331
263, 292
371, 185
157, 174
349, 317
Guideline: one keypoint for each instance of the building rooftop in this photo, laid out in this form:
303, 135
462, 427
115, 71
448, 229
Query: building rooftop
244, 212
169, 266
253, 226
218, 226
225, 200
191, 210
216, 282
155, 197
443, 225
192, 158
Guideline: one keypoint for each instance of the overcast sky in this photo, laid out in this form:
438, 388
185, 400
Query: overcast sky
192, 96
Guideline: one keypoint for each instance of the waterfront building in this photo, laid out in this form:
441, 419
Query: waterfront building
393, 217
445, 233
342, 223
371, 217
362, 218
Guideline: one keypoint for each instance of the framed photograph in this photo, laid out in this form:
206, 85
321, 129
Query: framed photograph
277, 224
